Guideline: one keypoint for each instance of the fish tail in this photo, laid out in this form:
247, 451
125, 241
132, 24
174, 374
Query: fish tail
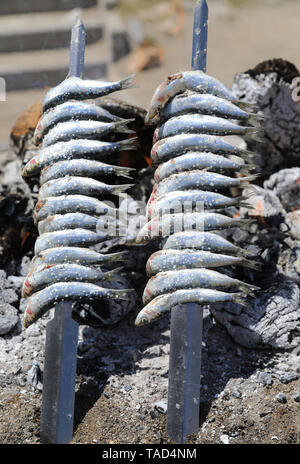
117, 189
256, 119
119, 256
123, 171
121, 126
245, 180
127, 82
114, 274
249, 107
253, 133
252, 264
245, 168
239, 298
245, 223
128, 144
248, 288
122, 294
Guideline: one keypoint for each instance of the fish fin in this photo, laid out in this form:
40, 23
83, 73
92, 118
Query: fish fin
127, 82
128, 144
114, 274
117, 189
249, 107
121, 126
239, 298
124, 172
257, 119
245, 223
252, 264
244, 183
123, 294
119, 256
245, 168
253, 133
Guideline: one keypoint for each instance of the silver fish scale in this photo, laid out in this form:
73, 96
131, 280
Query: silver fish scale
69, 205
193, 162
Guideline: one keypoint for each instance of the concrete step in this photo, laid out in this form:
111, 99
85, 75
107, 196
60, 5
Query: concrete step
41, 31
8, 7
39, 69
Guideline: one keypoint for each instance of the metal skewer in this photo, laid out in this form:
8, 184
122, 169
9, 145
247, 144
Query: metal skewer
187, 320
57, 415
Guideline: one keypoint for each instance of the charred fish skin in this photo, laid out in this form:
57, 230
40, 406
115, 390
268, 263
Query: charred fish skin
45, 299
196, 81
170, 281
74, 110
75, 149
82, 168
201, 124
81, 186
200, 160
63, 273
167, 260
178, 145
75, 88
164, 303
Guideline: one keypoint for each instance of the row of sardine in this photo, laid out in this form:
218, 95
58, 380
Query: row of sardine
70, 162
187, 207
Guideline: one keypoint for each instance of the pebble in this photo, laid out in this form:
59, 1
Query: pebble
296, 397
281, 398
161, 407
264, 378
236, 393
8, 318
127, 388
288, 377
224, 439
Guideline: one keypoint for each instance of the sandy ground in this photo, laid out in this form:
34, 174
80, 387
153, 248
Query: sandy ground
239, 38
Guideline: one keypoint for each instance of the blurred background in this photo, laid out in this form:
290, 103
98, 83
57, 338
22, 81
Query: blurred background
150, 38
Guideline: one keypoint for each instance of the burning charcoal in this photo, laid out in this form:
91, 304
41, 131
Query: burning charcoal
266, 207
269, 86
272, 320
286, 185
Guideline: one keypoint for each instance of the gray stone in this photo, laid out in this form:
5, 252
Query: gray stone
281, 398
264, 378
161, 407
8, 318
286, 186
288, 377
236, 393
296, 397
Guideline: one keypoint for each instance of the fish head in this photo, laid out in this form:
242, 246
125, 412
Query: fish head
30, 167
162, 94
